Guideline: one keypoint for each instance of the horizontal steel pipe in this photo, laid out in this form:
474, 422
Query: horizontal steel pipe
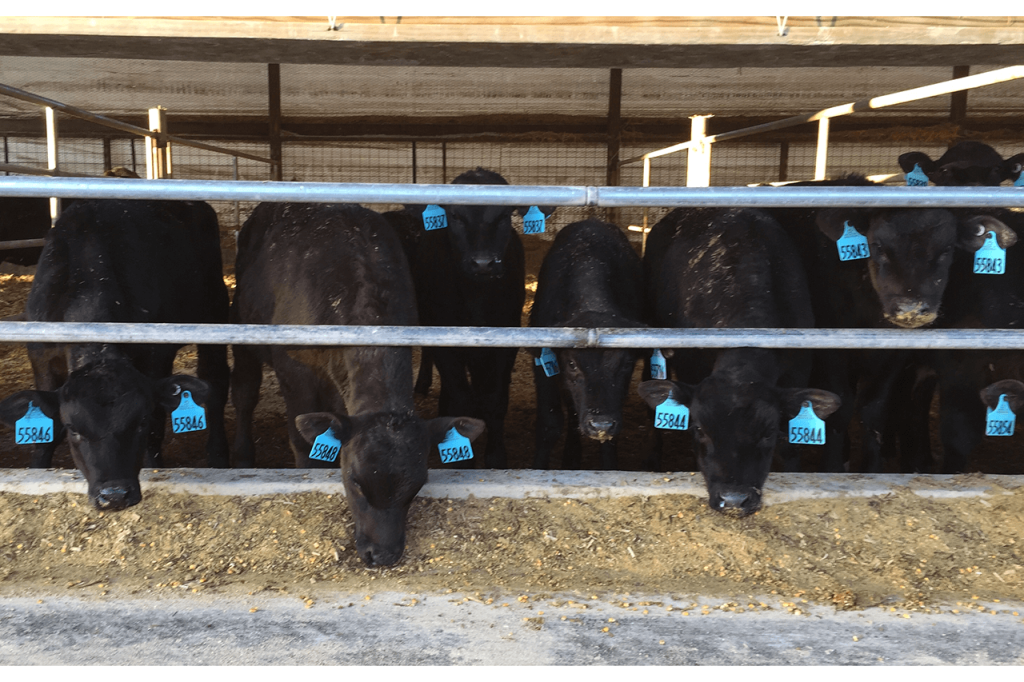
21, 244
551, 337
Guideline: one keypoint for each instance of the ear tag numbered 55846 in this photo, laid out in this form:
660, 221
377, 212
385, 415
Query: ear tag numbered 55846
455, 447
852, 245
34, 427
189, 416
917, 177
990, 259
548, 361
806, 427
659, 370
326, 447
434, 218
672, 415
533, 221
1000, 421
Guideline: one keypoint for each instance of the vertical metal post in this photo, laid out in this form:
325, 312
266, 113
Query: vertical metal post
698, 157
414, 162
444, 163
234, 175
821, 157
135, 164
158, 157
958, 102
274, 94
7, 155
647, 183
52, 157
612, 177
108, 161
783, 162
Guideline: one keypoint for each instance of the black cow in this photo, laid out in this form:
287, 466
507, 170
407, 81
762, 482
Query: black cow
124, 261
312, 264
591, 277
23, 218
713, 268
965, 163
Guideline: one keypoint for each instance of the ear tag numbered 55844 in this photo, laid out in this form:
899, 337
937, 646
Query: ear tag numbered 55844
671, 414
533, 221
548, 361
34, 427
990, 259
326, 447
917, 177
1000, 421
189, 416
659, 370
455, 447
852, 245
434, 218
806, 427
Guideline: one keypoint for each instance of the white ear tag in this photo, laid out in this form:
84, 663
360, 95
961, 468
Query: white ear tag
1000, 421
326, 447
434, 218
533, 221
548, 361
852, 245
672, 415
806, 427
34, 427
188, 416
917, 177
659, 370
990, 259
455, 447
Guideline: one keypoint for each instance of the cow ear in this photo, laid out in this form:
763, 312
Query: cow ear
168, 391
655, 392
910, 159
15, 406
467, 426
1011, 388
1012, 167
973, 232
824, 403
832, 221
313, 424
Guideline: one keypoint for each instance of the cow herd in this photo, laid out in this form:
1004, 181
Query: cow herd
457, 266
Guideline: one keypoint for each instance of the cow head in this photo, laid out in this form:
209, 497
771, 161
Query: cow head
911, 251
735, 419
384, 464
106, 411
965, 163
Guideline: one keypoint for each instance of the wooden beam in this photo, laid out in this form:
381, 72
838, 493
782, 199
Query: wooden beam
958, 101
274, 111
614, 126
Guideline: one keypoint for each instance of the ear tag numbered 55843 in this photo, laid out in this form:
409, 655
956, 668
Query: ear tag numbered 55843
34, 427
672, 415
326, 447
852, 245
917, 177
1000, 421
434, 218
659, 370
455, 447
806, 427
990, 259
533, 221
189, 416
548, 361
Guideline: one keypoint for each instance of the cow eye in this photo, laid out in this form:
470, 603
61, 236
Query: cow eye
72, 434
1017, 168
572, 364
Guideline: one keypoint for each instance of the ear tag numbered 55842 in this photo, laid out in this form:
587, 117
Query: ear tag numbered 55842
189, 416
434, 218
548, 361
659, 370
326, 447
990, 259
806, 427
852, 245
1000, 421
917, 177
34, 427
533, 221
455, 447
672, 415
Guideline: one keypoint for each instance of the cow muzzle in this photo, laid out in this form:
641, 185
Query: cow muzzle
600, 428
117, 497
736, 502
911, 314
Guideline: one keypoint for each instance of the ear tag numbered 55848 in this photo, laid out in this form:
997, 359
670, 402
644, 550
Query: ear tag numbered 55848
455, 447
326, 447
852, 245
990, 259
806, 427
659, 370
189, 416
533, 221
434, 218
34, 427
548, 361
1000, 421
672, 415
917, 177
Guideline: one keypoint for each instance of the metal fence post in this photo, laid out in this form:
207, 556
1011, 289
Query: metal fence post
821, 156
52, 160
698, 157
158, 157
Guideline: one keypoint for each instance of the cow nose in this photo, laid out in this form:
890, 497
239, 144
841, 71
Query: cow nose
377, 556
113, 498
733, 500
602, 424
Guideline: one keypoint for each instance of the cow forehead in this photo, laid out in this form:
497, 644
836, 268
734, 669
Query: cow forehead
481, 216
938, 223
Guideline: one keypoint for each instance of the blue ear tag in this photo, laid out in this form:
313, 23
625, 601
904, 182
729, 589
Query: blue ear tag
34, 427
1000, 421
326, 447
533, 221
672, 415
990, 259
455, 447
188, 416
548, 361
1019, 182
658, 368
434, 218
917, 177
806, 427
852, 245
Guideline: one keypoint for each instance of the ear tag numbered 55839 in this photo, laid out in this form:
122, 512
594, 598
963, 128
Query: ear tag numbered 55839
455, 447
659, 370
852, 245
533, 221
1000, 421
806, 427
326, 447
34, 427
672, 415
548, 361
917, 177
434, 218
189, 416
990, 259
